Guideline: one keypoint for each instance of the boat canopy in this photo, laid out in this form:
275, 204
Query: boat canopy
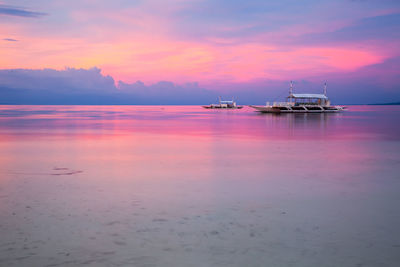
226, 101
318, 96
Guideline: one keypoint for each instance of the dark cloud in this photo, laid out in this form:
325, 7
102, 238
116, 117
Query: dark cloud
10, 40
19, 12
89, 86
372, 84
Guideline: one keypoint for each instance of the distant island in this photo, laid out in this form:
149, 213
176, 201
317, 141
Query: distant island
392, 103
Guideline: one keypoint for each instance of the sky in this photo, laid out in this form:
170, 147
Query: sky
190, 51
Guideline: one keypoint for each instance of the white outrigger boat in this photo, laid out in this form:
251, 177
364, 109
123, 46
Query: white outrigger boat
224, 104
301, 103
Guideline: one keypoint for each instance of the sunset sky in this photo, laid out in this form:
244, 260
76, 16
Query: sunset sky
247, 48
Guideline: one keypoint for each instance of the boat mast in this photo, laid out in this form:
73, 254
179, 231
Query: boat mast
291, 91
325, 89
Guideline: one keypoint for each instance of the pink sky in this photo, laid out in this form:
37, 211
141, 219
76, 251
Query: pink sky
208, 42
148, 42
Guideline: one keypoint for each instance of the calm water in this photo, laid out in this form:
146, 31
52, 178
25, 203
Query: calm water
185, 186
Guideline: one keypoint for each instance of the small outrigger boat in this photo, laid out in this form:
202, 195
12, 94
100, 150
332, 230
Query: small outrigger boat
301, 103
224, 104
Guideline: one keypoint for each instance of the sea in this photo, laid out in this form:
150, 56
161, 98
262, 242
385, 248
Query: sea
185, 186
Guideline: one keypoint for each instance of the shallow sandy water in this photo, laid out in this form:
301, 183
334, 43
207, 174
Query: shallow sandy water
181, 186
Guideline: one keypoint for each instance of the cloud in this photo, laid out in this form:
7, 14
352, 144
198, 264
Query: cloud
384, 28
57, 80
181, 41
165, 92
19, 12
89, 86
238, 19
271, 21
375, 83
10, 40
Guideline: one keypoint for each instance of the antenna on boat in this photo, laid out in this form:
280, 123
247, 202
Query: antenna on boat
325, 89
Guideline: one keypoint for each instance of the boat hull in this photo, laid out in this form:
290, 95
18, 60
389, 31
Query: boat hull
216, 107
272, 109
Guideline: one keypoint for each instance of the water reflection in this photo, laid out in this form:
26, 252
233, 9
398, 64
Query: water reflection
360, 122
180, 185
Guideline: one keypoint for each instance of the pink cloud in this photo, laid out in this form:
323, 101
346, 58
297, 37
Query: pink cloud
144, 43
